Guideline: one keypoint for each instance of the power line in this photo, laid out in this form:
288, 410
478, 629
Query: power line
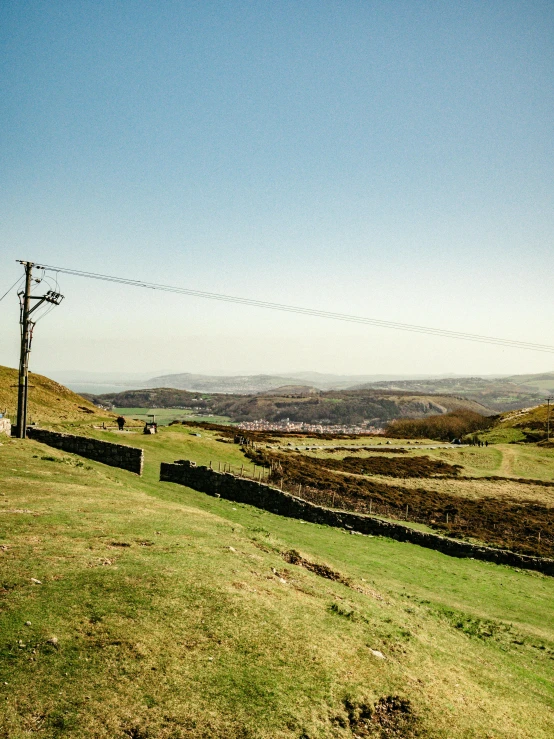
496, 341
11, 288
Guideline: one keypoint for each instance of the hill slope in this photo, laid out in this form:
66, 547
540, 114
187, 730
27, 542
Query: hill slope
48, 400
526, 425
157, 611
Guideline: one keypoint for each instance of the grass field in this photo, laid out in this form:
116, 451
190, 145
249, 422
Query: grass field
504, 460
163, 612
516, 426
164, 416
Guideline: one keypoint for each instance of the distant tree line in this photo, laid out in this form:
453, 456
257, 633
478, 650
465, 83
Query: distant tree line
446, 427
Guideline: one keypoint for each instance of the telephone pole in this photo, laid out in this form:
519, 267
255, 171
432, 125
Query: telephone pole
25, 350
27, 327
550, 397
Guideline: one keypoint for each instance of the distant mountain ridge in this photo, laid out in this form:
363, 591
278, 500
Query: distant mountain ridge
251, 384
242, 384
92, 382
498, 393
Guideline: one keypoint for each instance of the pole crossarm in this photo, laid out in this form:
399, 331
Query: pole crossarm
50, 297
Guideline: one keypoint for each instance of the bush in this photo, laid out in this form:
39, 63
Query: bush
445, 427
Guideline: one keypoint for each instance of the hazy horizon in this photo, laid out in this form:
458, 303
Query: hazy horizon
86, 376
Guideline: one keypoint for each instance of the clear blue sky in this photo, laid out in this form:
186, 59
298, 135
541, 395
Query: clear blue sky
388, 159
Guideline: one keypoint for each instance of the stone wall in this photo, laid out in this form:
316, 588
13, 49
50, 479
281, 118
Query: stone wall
116, 455
226, 485
5, 426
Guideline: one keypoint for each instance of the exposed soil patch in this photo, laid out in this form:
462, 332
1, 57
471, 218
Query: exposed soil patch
390, 716
294, 558
408, 467
526, 527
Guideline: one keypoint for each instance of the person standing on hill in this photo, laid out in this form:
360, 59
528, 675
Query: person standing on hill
120, 422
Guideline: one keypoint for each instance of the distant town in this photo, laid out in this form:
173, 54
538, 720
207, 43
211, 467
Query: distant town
314, 428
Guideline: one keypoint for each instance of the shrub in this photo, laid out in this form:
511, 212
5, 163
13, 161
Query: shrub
445, 427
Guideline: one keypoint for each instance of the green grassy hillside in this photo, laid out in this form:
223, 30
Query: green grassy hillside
48, 400
133, 608
528, 424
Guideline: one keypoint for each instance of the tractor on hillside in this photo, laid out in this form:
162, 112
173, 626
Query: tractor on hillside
150, 427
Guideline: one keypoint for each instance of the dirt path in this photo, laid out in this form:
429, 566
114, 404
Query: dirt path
506, 468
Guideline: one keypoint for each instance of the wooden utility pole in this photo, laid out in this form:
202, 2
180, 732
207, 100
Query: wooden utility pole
27, 326
550, 397
25, 350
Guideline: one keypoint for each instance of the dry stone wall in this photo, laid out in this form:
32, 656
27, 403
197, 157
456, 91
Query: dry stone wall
116, 455
240, 490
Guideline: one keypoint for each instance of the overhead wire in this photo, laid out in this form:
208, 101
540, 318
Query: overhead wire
446, 333
11, 288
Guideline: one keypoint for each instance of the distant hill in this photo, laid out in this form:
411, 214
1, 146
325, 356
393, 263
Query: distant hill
343, 407
292, 390
214, 384
325, 381
499, 394
248, 384
543, 383
115, 382
48, 400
